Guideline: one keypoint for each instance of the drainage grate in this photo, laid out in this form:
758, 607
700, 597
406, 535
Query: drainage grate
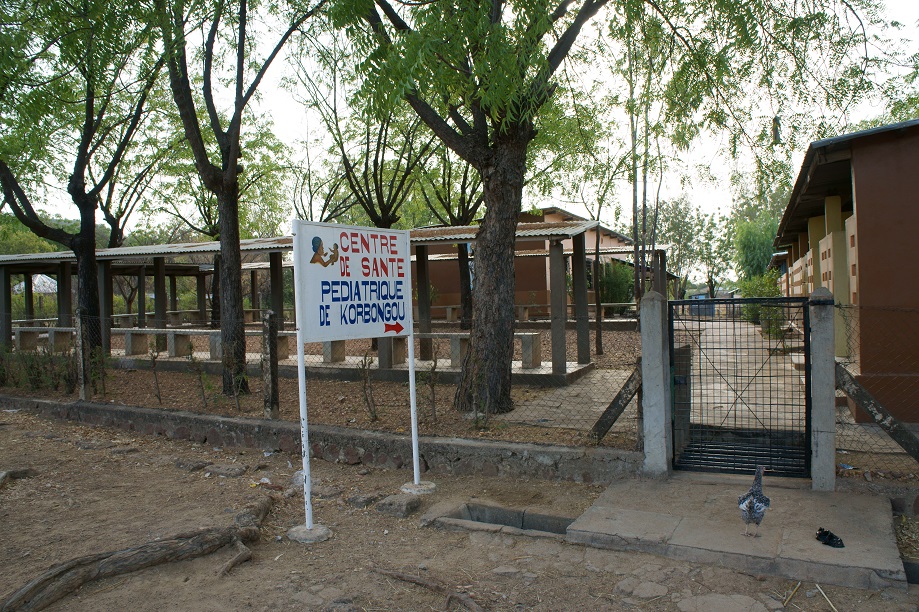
741, 458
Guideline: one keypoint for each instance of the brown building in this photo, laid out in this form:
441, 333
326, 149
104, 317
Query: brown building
531, 261
850, 226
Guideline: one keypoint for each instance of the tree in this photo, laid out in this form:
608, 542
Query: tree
79, 80
225, 33
714, 250
492, 73
753, 245
677, 229
481, 75
453, 193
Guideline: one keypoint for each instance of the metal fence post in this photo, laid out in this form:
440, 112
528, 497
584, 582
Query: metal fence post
270, 364
823, 391
655, 383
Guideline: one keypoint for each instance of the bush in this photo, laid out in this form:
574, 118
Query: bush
771, 318
617, 283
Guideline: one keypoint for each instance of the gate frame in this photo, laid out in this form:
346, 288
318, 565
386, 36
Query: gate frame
709, 307
656, 403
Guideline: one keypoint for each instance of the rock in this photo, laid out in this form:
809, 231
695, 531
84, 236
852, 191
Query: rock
363, 472
811, 594
627, 585
362, 500
191, 465
505, 570
716, 602
325, 491
400, 505
227, 470
649, 590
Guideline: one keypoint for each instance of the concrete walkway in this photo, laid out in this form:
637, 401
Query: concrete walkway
694, 516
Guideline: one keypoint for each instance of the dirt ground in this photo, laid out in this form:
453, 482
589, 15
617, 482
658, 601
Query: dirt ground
96, 490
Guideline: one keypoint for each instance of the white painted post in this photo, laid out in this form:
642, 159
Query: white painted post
823, 391
655, 383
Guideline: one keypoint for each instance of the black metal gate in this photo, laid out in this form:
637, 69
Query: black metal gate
741, 385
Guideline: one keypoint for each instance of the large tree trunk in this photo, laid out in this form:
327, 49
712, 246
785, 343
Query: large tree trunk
215, 293
465, 279
485, 382
232, 325
84, 248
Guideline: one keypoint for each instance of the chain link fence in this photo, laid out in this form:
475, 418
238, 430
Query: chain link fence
358, 384
879, 347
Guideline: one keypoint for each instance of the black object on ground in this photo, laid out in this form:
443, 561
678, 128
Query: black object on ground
829, 538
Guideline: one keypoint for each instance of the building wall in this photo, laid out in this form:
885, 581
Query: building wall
886, 188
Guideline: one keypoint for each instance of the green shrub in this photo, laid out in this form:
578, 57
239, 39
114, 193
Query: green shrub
616, 283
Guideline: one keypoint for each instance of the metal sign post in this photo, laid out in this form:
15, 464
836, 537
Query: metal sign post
352, 283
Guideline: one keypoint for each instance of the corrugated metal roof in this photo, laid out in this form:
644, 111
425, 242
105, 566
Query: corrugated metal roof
467, 233
281, 243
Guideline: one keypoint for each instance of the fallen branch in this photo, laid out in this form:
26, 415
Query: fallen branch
826, 598
462, 598
67, 577
242, 555
788, 599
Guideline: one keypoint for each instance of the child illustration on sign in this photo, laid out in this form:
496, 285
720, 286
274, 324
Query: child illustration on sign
319, 253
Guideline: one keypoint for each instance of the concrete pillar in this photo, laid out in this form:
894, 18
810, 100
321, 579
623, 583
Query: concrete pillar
833, 221
64, 294
558, 307
106, 304
655, 384
276, 282
6, 308
142, 296
823, 391
422, 285
579, 286
29, 298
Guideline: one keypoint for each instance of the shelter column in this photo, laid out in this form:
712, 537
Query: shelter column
201, 291
6, 308
579, 281
173, 293
422, 285
276, 280
159, 295
558, 306
64, 292
142, 296
660, 272
106, 302
253, 290
29, 298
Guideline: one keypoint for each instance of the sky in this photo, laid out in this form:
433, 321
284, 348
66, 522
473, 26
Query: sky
294, 126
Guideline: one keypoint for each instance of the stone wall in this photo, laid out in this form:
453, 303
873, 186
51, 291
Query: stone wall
353, 446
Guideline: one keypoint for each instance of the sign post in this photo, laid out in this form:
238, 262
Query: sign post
352, 283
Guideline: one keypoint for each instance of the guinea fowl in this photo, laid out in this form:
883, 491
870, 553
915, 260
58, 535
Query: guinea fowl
753, 503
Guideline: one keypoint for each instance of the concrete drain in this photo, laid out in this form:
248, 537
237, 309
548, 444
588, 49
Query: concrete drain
475, 516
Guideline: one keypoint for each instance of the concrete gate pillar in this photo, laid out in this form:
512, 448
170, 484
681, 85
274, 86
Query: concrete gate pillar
655, 384
823, 391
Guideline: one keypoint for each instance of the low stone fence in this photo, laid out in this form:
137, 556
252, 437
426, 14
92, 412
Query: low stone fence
351, 446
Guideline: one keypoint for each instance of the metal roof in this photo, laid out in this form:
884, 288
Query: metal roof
467, 233
826, 170
571, 216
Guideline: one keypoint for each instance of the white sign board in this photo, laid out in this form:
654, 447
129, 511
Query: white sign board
352, 282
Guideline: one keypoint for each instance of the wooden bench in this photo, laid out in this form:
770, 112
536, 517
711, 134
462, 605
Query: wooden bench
58, 339
531, 345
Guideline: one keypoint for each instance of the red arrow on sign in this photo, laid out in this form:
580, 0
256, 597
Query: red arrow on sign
392, 327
